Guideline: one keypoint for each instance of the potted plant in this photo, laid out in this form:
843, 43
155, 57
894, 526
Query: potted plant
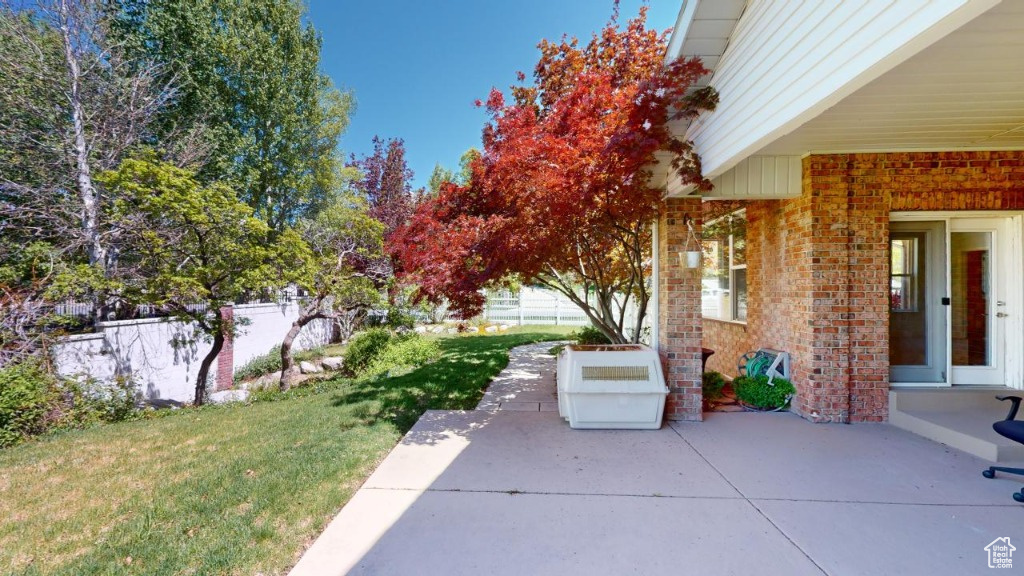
757, 393
711, 384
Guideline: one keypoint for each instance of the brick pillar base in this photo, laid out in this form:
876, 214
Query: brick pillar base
226, 357
679, 315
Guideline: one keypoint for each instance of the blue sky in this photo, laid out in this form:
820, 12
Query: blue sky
416, 66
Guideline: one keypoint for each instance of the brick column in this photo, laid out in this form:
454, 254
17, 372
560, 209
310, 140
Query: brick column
226, 357
679, 316
828, 398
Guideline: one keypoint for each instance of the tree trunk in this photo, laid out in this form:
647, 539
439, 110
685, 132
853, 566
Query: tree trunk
311, 312
204, 367
287, 362
600, 313
83, 174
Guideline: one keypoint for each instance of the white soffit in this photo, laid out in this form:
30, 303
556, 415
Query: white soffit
702, 29
786, 63
965, 91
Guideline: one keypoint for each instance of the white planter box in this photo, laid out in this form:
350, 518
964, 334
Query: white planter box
611, 386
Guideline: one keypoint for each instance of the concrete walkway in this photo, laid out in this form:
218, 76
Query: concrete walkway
511, 489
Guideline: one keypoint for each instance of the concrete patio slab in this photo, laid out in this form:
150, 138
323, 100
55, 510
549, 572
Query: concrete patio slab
871, 539
504, 492
537, 452
782, 456
541, 534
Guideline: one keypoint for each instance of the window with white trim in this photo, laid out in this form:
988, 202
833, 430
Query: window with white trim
724, 281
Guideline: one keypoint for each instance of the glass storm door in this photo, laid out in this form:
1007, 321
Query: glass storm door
917, 313
977, 308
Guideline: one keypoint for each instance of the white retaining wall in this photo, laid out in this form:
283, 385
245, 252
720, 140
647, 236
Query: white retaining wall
162, 356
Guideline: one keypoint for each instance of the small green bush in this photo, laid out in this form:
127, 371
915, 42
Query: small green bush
264, 364
757, 392
33, 401
400, 317
589, 335
365, 348
270, 362
711, 384
87, 401
409, 351
26, 394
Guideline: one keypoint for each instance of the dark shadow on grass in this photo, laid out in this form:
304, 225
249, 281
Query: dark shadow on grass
456, 381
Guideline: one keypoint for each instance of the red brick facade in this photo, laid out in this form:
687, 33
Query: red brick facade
679, 322
226, 357
817, 266
730, 342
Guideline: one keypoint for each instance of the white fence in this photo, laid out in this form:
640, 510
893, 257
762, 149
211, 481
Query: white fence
533, 306
162, 356
540, 306
86, 309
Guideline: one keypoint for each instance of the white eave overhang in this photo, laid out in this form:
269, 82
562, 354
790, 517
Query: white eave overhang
795, 79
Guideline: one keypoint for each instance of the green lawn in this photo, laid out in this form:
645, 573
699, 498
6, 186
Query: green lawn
222, 490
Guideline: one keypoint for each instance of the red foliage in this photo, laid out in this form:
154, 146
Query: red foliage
386, 183
563, 191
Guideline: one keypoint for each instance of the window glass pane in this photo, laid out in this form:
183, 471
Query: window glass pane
903, 275
715, 280
725, 253
971, 304
739, 240
739, 284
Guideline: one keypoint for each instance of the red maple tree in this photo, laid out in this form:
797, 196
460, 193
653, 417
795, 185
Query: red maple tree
563, 192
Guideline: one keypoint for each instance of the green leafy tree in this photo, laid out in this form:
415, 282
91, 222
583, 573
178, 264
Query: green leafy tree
339, 268
195, 248
249, 70
440, 175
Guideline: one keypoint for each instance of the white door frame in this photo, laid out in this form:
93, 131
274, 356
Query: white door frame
1013, 349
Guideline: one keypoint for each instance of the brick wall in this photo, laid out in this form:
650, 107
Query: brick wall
226, 356
817, 266
679, 321
729, 341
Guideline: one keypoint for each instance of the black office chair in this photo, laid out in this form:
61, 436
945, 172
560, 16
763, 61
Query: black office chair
1014, 430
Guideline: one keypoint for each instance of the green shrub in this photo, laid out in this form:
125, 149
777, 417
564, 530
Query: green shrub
33, 401
589, 335
264, 364
756, 391
409, 351
365, 348
400, 317
270, 362
711, 384
89, 401
26, 395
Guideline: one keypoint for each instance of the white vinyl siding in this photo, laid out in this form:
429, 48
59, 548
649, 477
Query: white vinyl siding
787, 62
759, 177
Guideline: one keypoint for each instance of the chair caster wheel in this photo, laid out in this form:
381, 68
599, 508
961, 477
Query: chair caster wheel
1019, 497
989, 474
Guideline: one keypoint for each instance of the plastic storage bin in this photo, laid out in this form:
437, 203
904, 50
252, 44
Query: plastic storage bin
611, 386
